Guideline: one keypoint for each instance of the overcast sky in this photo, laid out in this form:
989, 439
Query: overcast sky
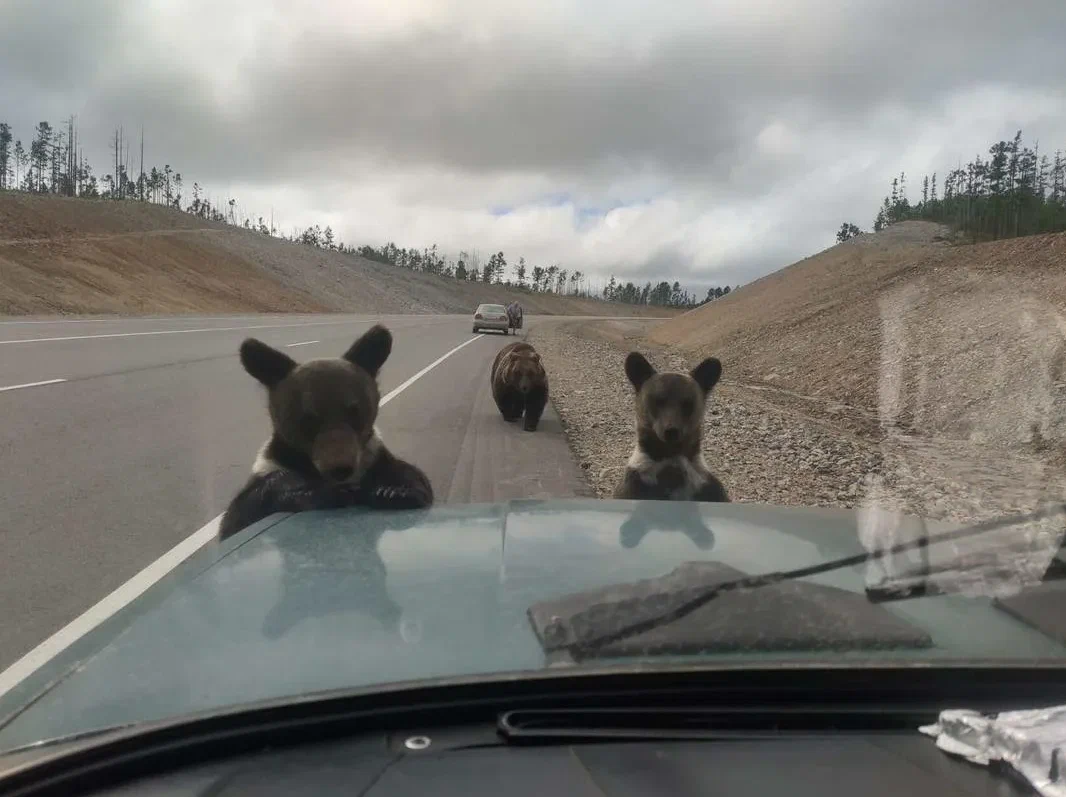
710, 141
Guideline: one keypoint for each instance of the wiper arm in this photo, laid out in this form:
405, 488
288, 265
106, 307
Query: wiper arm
588, 647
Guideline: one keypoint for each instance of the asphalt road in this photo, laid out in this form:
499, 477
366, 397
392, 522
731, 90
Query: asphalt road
156, 424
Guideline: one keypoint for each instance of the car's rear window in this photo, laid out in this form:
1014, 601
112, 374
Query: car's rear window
491, 308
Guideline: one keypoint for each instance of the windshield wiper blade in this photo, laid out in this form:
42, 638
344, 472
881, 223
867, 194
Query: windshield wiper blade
588, 647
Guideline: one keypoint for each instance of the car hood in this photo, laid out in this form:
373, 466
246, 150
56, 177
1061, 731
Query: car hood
325, 600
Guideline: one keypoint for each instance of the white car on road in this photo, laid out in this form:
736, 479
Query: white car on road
491, 316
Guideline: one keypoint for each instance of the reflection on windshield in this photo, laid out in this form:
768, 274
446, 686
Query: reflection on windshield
663, 517
963, 434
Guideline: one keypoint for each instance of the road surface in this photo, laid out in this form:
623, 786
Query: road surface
120, 438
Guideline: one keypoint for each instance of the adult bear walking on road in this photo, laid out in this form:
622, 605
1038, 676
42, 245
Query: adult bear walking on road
519, 384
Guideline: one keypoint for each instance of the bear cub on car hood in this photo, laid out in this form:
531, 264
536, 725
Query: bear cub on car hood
667, 464
325, 452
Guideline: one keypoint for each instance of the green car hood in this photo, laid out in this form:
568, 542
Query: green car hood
328, 600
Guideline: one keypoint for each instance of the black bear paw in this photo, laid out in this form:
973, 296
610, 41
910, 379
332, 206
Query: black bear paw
397, 497
337, 496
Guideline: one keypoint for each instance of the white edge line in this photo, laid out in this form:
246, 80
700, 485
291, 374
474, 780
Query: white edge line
140, 583
32, 384
302, 343
404, 385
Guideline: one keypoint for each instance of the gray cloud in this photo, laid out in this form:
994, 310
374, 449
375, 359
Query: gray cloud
782, 119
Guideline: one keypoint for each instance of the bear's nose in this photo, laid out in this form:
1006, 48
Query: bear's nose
670, 435
340, 473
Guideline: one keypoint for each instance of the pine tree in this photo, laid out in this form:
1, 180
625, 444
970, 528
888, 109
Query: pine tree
847, 231
1058, 177
998, 181
6, 170
39, 151
56, 157
22, 160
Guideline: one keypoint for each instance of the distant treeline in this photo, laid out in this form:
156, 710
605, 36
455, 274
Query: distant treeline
661, 295
1015, 191
54, 163
537, 279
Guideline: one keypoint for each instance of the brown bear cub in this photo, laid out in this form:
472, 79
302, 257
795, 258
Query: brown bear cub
325, 452
519, 384
667, 464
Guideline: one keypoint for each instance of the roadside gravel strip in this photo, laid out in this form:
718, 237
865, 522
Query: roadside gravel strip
774, 447
762, 453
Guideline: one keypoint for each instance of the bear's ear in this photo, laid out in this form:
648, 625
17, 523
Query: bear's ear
266, 364
707, 373
371, 350
638, 369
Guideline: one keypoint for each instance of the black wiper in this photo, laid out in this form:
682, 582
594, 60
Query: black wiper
588, 647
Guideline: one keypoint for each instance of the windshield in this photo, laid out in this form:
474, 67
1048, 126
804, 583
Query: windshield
758, 286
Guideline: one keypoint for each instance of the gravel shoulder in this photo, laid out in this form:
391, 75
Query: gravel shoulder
780, 447
764, 452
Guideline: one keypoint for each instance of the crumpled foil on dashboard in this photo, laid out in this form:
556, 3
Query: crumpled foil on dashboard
1033, 742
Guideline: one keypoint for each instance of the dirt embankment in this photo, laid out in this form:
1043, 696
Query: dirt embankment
896, 370
67, 256
902, 330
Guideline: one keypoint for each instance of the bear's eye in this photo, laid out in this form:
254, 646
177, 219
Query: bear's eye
309, 424
687, 407
658, 402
